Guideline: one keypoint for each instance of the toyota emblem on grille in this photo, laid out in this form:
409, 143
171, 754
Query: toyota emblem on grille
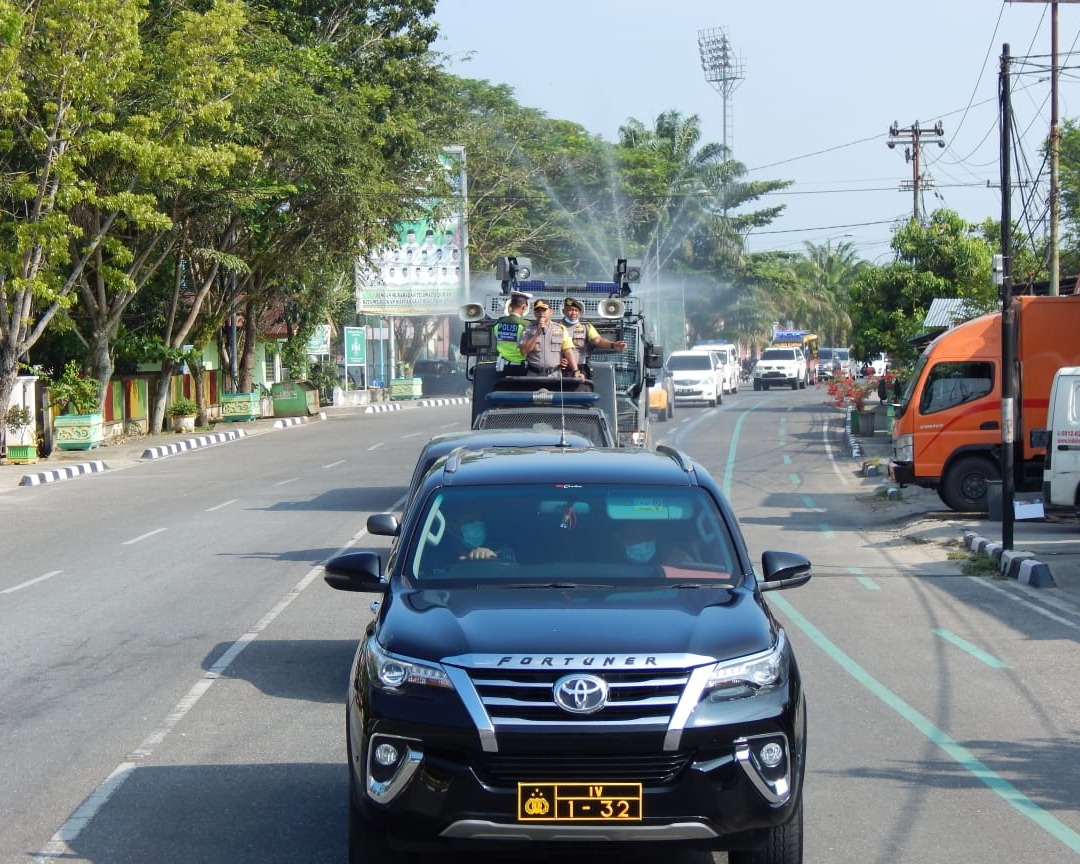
581, 694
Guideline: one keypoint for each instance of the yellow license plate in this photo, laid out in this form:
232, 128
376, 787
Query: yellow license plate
579, 802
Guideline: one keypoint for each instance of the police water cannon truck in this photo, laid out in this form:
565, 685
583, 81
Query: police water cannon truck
611, 406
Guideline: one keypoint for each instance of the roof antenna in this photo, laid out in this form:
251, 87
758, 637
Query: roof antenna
562, 411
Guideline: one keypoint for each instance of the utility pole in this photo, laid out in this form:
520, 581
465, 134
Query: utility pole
1055, 143
915, 135
1008, 313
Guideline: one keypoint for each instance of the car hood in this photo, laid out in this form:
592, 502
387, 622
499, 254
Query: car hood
711, 622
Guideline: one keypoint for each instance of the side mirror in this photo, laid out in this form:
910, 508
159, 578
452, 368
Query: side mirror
383, 524
784, 570
355, 571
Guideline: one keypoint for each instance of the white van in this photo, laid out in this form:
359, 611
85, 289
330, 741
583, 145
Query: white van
1061, 470
696, 376
727, 358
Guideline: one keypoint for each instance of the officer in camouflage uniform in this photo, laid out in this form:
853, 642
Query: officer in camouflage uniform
584, 336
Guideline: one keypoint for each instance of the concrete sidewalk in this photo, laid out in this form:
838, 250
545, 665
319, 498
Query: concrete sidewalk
1045, 552
68, 464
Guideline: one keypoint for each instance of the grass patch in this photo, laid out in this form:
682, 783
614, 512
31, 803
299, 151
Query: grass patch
980, 565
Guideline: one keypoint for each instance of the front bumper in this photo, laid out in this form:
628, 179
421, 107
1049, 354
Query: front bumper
697, 393
777, 377
901, 472
713, 792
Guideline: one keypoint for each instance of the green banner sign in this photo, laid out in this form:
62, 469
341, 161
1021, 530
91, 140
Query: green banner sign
355, 346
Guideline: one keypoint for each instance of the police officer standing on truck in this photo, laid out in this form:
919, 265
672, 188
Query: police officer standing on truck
584, 335
546, 344
508, 330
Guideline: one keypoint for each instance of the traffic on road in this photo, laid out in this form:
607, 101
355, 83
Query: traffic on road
177, 669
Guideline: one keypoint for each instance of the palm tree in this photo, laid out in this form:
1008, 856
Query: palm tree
827, 275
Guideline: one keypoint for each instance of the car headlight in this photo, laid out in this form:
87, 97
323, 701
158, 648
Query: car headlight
904, 448
749, 675
391, 672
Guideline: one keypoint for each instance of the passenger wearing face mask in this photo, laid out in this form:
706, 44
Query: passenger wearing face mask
641, 545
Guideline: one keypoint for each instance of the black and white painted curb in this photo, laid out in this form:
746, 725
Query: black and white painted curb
430, 402
63, 473
854, 446
1013, 564
192, 444
296, 421
156, 452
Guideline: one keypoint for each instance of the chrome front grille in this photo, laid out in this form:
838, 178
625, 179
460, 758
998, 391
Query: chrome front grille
518, 697
515, 694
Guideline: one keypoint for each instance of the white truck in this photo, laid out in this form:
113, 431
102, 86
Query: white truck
1061, 468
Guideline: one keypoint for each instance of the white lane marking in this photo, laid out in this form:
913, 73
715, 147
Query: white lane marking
375, 446
334, 464
222, 504
1027, 604
846, 479
30, 582
59, 845
286, 482
142, 537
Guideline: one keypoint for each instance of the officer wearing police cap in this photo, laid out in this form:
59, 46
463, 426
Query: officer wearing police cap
507, 331
583, 334
548, 348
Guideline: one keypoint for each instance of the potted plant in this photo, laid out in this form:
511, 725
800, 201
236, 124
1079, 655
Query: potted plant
81, 425
183, 411
18, 420
850, 393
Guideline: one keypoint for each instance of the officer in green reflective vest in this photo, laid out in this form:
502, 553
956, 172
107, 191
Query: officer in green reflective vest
508, 330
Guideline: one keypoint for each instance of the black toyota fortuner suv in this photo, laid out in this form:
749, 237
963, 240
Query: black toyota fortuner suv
572, 647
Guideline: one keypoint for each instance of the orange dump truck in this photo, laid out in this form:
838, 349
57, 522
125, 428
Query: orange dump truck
947, 428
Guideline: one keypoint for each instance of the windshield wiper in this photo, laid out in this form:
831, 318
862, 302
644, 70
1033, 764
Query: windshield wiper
725, 586
556, 585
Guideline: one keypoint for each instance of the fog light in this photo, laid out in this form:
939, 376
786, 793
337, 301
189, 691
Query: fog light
387, 754
771, 754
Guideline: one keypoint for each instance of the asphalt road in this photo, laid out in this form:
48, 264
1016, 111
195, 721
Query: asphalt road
176, 668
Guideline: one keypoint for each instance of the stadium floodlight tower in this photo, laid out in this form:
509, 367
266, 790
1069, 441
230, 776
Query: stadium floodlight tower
723, 70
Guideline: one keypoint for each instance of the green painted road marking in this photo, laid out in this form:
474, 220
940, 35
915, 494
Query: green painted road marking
974, 651
867, 583
961, 755
808, 502
794, 479
733, 448
787, 459
826, 529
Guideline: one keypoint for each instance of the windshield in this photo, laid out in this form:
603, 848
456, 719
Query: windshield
536, 535
778, 354
690, 362
825, 354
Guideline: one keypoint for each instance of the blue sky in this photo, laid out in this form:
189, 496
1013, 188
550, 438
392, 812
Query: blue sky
821, 84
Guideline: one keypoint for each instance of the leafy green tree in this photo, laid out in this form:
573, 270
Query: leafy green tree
65, 68
947, 257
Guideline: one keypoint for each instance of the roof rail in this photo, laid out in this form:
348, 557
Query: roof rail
453, 459
684, 461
